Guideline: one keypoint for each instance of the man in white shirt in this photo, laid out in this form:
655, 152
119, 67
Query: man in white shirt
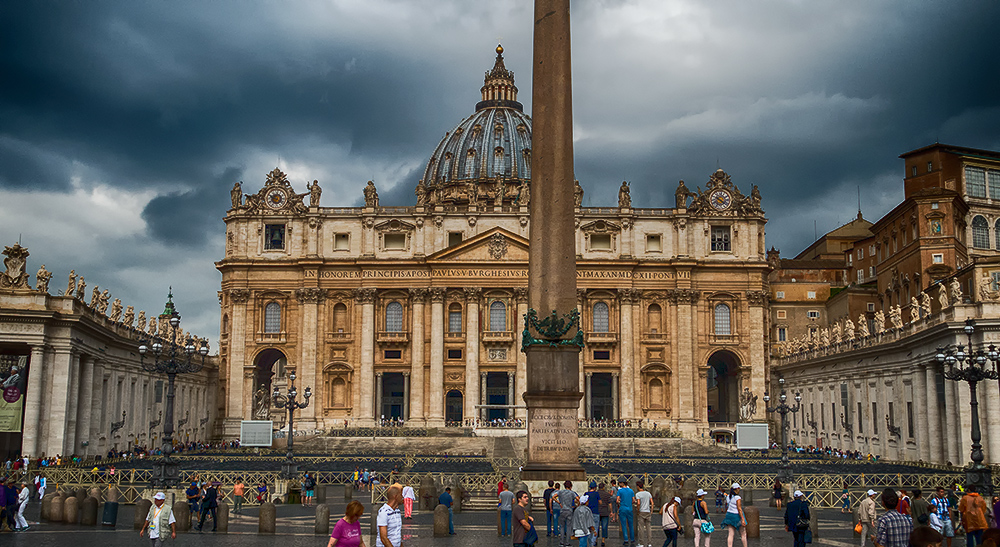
22, 500
159, 517
643, 524
408, 497
389, 522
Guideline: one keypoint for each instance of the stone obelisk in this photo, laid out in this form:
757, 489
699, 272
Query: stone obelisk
553, 391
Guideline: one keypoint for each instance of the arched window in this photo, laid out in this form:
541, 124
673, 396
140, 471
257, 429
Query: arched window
980, 233
654, 316
272, 317
455, 317
498, 316
723, 327
601, 317
340, 317
394, 317
338, 393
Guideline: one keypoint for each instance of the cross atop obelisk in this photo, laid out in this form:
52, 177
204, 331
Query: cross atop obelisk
552, 338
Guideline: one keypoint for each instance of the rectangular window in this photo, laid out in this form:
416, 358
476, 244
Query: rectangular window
394, 242
454, 354
913, 171
602, 355
861, 420
779, 295
850, 260
909, 418
342, 242
892, 415
720, 239
159, 391
874, 418
930, 166
844, 403
871, 250
861, 253
454, 321
937, 258
975, 182
811, 295
274, 237
995, 281
653, 243
393, 354
861, 276
871, 271
782, 334
822, 418
454, 238
782, 314
871, 306
812, 314
994, 180
600, 242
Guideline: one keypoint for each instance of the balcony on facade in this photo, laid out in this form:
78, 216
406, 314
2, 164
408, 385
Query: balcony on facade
655, 337
454, 337
393, 338
496, 337
272, 337
339, 337
724, 339
602, 339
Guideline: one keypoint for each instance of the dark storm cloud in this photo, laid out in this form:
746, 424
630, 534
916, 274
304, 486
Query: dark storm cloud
188, 218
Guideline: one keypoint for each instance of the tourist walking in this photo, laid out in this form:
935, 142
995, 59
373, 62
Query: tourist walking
797, 519
159, 517
568, 500
22, 501
670, 521
866, 516
583, 523
973, 509
210, 504
893, 528
310, 489
720, 499
347, 531
389, 521
446, 500
408, 498
193, 494
604, 513
777, 494
551, 520
645, 514
522, 521
735, 519
943, 510
506, 505
700, 510
238, 490
919, 509
845, 500
262, 493
624, 499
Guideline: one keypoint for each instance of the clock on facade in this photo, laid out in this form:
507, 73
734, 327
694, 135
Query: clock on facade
720, 199
276, 198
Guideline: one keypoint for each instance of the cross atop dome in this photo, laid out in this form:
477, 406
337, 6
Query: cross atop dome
498, 86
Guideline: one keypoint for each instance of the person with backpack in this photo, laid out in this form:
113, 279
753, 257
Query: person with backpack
310, 489
797, 519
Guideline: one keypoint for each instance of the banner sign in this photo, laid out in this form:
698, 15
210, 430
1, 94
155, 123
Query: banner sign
256, 433
13, 380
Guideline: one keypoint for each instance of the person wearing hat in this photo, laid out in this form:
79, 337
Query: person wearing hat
795, 512
159, 517
735, 519
866, 516
582, 524
671, 522
210, 504
700, 510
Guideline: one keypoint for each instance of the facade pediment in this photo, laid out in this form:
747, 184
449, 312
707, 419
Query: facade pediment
496, 245
395, 226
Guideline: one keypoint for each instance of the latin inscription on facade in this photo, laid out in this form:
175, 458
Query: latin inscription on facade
552, 434
479, 272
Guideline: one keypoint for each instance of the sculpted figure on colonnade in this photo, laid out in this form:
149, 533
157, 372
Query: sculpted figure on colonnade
955, 288
849, 329
862, 326
236, 194
102, 302
879, 322
371, 195
116, 310
129, 317
72, 284
42, 279
836, 334
914, 309
925, 303
942, 296
624, 196
896, 316
141, 325
577, 194
15, 277
314, 193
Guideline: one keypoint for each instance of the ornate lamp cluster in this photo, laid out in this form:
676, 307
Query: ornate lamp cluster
289, 402
783, 408
972, 366
171, 358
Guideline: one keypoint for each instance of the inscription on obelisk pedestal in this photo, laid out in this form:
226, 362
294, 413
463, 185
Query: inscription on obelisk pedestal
553, 434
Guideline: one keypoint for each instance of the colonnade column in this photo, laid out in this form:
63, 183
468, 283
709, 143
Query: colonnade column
919, 387
30, 439
521, 297
686, 307
482, 396
378, 396
614, 396
72, 416
510, 393
586, 396
415, 394
365, 397
435, 410
933, 432
235, 408
992, 416
58, 396
582, 409
84, 405
627, 399
471, 351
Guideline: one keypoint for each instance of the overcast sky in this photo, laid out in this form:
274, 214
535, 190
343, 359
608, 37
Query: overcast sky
123, 125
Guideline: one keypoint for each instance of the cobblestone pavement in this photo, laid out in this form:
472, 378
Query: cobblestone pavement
295, 527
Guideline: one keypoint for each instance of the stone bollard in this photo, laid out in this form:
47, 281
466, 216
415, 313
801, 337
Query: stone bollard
89, 513
747, 497
688, 519
753, 521
71, 508
141, 510
348, 491
182, 514
46, 506
457, 493
81, 494
56, 509
265, 521
320, 496
322, 519
222, 518
659, 491
441, 521
428, 492
814, 524
112, 494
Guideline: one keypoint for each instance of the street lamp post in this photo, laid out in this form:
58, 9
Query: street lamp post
971, 366
171, 359
289, 469
785, 474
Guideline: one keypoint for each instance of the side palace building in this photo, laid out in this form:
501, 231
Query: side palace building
415, 312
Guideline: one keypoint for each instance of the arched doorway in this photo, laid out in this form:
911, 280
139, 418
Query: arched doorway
269, 365
453, 408
723, 387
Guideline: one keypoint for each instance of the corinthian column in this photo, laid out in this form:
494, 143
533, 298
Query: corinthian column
435, 410
471, 351
628, 358
416, 391
520, 377
309, 368
364, 400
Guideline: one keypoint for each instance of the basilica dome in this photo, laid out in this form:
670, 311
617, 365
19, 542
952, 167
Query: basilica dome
487, 158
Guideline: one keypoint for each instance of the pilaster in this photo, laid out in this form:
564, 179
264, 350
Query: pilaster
521, 376
309, 369
235, 408
58, 397
364, 399
628, 391
84, 406
30, 438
